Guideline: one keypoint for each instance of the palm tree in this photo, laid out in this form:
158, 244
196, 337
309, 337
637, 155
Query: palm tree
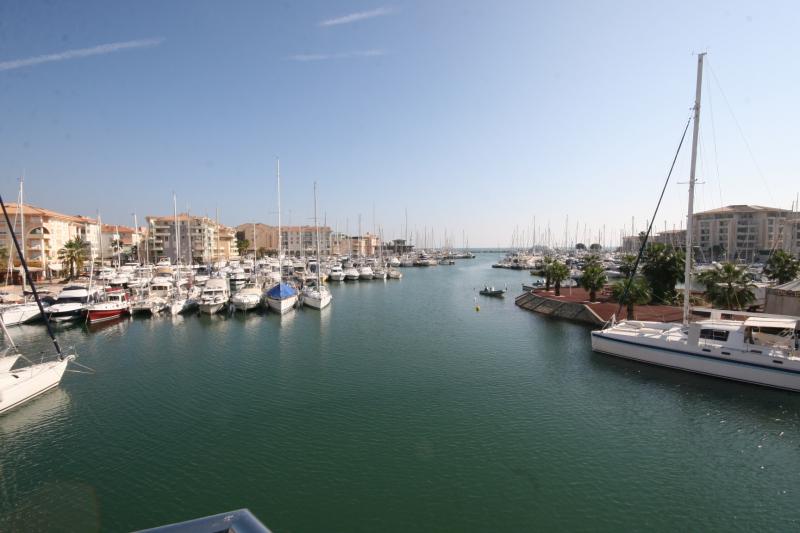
782, 267
72, 255
242, 246
663, 268
728, 286
544, 272
558, 273
637, 292
626, 265
593, 279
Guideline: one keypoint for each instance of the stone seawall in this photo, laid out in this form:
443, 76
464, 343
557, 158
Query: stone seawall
555, 307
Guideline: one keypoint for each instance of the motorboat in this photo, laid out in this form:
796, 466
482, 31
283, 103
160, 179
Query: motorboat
393, 273
492, 291
71, 303
336, 273
365, 272
281, 298
238, 279
247, 298
116, 305
351, 273
215, 295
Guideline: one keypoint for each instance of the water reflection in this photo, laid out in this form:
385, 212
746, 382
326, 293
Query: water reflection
39, 412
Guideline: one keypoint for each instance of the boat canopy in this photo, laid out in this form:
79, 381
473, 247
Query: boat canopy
764, 322
281, 291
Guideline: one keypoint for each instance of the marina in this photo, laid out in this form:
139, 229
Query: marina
399, 267
365, 409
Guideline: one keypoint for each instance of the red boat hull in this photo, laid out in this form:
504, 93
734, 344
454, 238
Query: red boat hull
110, 314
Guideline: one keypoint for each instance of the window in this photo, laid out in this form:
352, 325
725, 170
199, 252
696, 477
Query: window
714, 334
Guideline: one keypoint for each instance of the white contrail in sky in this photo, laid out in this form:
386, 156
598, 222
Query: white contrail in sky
355, 17
80, 52
342, 55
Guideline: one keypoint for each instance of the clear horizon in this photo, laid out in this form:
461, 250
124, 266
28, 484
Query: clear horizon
474, 117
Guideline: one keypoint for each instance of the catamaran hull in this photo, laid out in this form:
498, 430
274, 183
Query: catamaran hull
31, 382
282, 306
716, 365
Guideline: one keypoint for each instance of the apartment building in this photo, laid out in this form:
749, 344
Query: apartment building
45, 233
261, 236
202, 239
740, 232
302, 240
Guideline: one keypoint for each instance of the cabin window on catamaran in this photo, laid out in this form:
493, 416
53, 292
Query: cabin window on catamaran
714, 334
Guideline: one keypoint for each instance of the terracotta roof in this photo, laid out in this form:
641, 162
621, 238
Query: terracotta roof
13, 208
113, 228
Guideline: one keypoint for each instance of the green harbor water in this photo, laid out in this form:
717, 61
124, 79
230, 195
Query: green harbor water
399, 408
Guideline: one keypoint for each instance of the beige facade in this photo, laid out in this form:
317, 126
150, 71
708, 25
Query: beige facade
364, 245
46, 232
302, 240
739, 232
201, 239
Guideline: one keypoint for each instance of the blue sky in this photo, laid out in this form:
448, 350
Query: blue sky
475, 116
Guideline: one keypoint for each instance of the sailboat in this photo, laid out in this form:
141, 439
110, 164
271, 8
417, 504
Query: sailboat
761, 350
178, 300
281, 297
317, 296
21, 385
27, 311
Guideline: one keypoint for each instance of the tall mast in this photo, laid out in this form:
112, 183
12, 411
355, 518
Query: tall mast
687, 271
177, 231
22, 221
119, 247
138, 239
100, 225
316, 228
280, 237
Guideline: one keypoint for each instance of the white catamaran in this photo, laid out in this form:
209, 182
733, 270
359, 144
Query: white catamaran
762, 349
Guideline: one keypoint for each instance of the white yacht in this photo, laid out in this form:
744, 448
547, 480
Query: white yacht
336, 273
215, 296
365, 272
351, 273
71, 303
247, 298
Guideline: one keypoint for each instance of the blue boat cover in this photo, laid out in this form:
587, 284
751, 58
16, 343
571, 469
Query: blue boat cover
281, 291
